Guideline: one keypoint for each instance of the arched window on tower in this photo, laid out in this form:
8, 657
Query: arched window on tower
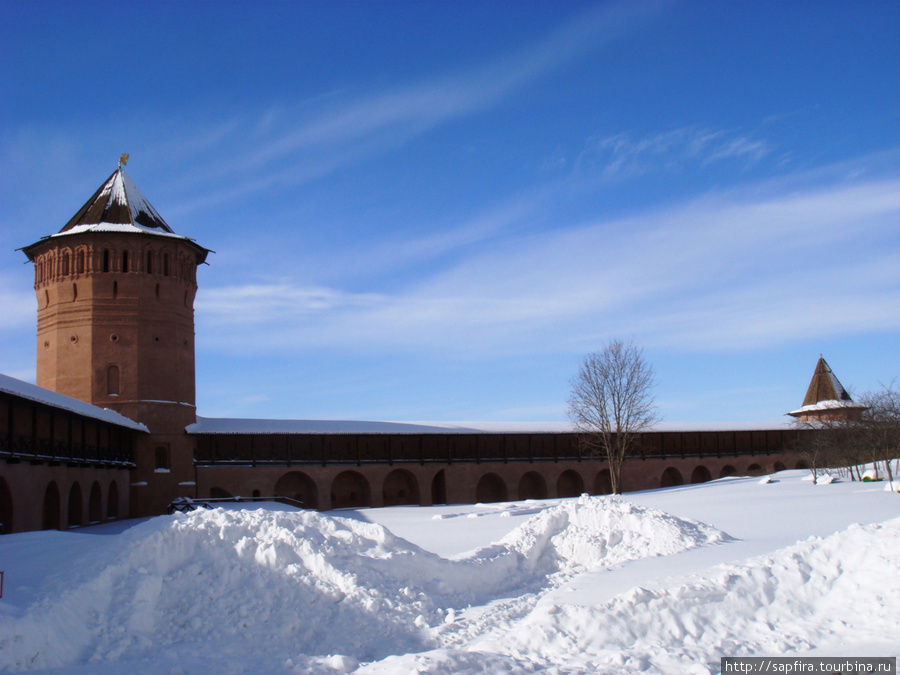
149, 262
112, 381
165, 264
81, 257
124, 261
106, 260
65, 264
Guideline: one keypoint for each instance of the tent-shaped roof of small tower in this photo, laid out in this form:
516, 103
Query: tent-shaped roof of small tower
824, 386
118, 206
825, 391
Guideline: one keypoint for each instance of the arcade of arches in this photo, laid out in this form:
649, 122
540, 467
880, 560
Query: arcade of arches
65, 498
336, 487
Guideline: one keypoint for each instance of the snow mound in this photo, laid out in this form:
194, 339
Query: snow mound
600, 532
238, 580
304, 587
787, 602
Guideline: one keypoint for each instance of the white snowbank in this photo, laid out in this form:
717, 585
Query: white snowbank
787, 602
592, 585
287, 585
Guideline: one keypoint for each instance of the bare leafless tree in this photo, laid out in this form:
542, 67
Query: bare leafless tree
611, 401
881, 426
871, 434
822, 444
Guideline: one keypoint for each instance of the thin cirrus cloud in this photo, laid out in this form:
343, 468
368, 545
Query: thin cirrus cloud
719, 272
538, 201
848, 300
411, 110
620, 156
18, 303
315, 137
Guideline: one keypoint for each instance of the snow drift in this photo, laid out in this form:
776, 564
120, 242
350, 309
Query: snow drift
297, 587
788, 602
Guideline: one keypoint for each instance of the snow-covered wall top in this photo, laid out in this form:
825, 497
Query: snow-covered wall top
32, 392
209, 425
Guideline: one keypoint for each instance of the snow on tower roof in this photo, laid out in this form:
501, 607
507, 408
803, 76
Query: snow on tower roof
119, 206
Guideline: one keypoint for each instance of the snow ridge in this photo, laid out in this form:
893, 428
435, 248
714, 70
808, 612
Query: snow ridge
785, 603
205, 582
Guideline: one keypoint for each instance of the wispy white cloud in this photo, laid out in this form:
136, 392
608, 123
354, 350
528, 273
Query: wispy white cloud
742, 147
18, 303
291, 145
263, 303
621, 156
731, 271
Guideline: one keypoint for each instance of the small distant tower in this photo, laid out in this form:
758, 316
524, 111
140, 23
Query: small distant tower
826, 399
115, 291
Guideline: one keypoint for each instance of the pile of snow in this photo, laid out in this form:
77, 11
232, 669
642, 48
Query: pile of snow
289, 586
594, 585
788, 602
597, 532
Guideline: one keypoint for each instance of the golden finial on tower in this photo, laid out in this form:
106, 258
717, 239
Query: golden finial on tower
123, 160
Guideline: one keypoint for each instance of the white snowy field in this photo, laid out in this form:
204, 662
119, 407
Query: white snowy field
665, 581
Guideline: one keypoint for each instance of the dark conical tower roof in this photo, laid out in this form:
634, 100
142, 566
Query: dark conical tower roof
117, 206
825, 393
825, 386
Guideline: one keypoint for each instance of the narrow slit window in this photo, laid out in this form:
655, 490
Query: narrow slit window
112, 381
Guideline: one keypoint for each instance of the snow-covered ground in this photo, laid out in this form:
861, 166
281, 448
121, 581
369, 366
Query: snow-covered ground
663, 581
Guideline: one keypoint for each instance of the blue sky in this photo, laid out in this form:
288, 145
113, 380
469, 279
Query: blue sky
434, 210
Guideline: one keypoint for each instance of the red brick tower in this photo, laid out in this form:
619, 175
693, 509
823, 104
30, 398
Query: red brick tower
115, 290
